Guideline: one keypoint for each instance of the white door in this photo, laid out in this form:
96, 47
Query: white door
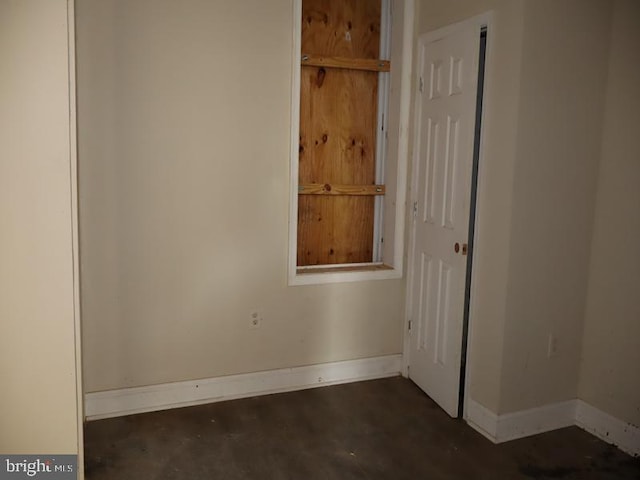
445, 121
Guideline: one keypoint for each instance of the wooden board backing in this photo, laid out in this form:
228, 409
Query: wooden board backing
341, 28
338, 116
337, 126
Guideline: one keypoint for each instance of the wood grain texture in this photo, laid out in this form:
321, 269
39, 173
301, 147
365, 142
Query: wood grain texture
338, 116
334, 229
337, 189
341, 28
369, 64
337, 126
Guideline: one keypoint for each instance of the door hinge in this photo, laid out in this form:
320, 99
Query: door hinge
409, 325
415, 209
421, 87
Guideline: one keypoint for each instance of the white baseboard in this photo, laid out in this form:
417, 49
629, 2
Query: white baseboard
536, 420
608, 428
502, 428
115, 403
482, 419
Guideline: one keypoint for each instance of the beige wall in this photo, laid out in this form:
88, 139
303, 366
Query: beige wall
37, 345
184, 138
496, 181
556, 167
184, 135
611, 353
542, 126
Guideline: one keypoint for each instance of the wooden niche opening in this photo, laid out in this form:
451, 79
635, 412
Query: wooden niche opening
340, 66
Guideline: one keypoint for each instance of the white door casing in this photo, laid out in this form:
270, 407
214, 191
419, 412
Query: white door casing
443, 160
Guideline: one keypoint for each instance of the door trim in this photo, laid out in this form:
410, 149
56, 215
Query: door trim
478, 22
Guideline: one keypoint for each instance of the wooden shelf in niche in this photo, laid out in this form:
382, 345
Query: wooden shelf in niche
373, 267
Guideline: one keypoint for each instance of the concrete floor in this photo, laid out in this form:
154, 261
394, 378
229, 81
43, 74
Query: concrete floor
381, 429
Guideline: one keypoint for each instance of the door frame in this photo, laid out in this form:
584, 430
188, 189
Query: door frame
484, 20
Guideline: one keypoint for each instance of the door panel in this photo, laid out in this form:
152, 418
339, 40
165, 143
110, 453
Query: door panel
445, 115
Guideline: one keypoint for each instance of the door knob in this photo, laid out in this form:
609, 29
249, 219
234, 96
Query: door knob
465, 248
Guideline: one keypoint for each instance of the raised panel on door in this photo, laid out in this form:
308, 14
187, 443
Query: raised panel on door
445, 116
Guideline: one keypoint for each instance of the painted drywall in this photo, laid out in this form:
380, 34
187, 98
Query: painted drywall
543, 110
554, 190
488, 309
610, 370
184, 135
38, 411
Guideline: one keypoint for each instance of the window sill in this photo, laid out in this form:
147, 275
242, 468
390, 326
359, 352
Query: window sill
343, 273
